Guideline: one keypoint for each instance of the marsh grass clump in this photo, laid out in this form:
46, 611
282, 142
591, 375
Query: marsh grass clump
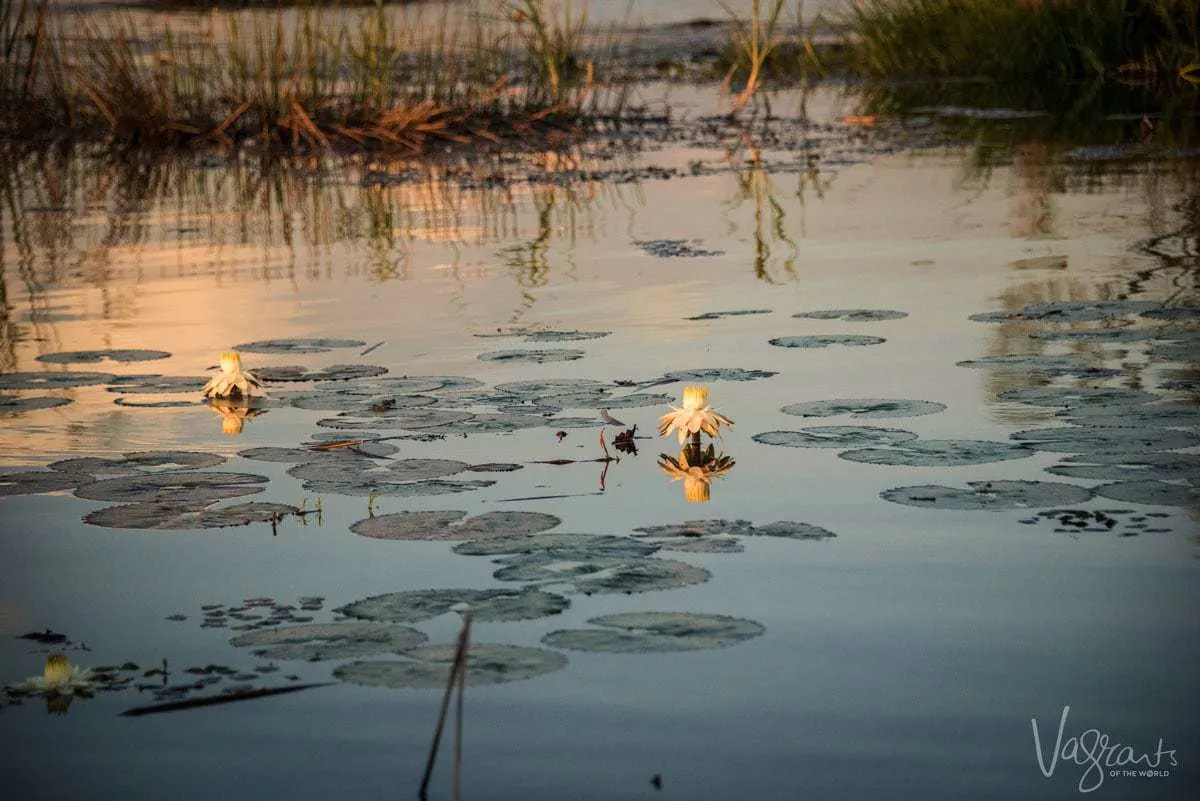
311, 79
1046, 40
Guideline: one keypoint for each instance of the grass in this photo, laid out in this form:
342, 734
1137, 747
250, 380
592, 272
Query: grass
1039, 40
378, 78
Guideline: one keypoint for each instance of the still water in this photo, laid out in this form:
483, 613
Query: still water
906, 656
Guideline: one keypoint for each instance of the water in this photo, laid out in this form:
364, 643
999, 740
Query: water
904, 658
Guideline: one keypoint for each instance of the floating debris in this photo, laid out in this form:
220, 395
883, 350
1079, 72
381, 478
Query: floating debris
337, 372
716, 315
940, 453
675, 248
96, 356
173, 487
429, 525
827, 340
298, 345
835, 437
864, 408
656, 632
541, 356
53, 380
853, 315
1100, 335
990, 495
491, 606
12, 403
324, 641
428, 668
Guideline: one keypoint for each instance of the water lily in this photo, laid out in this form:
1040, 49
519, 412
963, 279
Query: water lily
59, 683
697, 468
695, 416
233, 415
232, 381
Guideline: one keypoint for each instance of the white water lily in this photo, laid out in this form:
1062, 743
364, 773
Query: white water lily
697, 469
233, 415
695, 416
59, 677
232, 381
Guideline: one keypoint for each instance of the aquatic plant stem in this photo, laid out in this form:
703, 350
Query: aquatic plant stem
457, 673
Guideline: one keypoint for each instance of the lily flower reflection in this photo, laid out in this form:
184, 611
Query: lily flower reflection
695, 416
232, 381
697, 468
60, 683
233, 415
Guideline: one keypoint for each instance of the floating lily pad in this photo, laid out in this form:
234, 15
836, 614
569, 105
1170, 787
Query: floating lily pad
172, 460
163, 404
173, 487
490, 424
676, 248
634, 400
1171, 415
323, 641
602, 575
148, 516
791, 530
656, 632
827, 340
1152, 493
1081, 439
1041, 364
591, 545
300, 345
1068, 311
553, 386
1100, 335
34, 482
491, 606
864, 408
1130, 467
431, 525
421, 469
243, 514
1173, 313
95, 467
1184, 352
1077, 397
735, 313
157, 384
11, 403
709, 543
940, 453
96, 356
338, 372
717, 374
429, 668
367, 486
61, 379
541, 356
359, 400
991, 495
835, 437
407, 419
853, 315
565, 336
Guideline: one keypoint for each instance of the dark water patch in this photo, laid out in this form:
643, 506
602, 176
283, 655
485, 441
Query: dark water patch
1151, 493
406, 419
989, 495
827, 340
1078, 397
429, 668
676, 248
940, 453
35, 482
13, 404
835, 437
298, 345
97, 356
1081, 439
367, 487
656, 632
184, 488
444, 525
153, 384
1133, 467
586, 545
337, 372
489, 606
864, 408
542, 356
717, 315
63, 379
852, 315
324, 641
1068, 311
1118, 522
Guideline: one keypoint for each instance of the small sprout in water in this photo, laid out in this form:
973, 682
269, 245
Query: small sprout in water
232, 381
561, 435
624, 443
695, 416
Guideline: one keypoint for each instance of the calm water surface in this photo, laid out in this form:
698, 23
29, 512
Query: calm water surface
903, 658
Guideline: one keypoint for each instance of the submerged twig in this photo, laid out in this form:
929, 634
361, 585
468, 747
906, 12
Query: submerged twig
213, 700
457, 674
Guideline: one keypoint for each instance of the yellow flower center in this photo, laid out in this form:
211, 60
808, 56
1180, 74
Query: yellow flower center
695, 398
231, 362
58, 669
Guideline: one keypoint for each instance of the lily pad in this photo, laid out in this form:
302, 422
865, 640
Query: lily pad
1099, 335
407, 419
491, 606
716, 374
553, 386
835, 437
989, 495
1170, 415
1173, 313
1081, 439
940, 453
183, 516
564, 336
1068, 311
1150, 466
1184, 352
429, 668
96, 356
709, 543
35, 482
716, 315
490, 424
1077, 397
358, 400
338, 372
791, 530
853, 315
61, 379
827, 340
11, 403
656, 632
864, 408
172, 460
368, 486
602, 575
541, 356
1041, 364
421, 469
157, 384
430, 525
299, 345
129, 403
676, 248
322, 641
1151, 493
593, 545
195, 487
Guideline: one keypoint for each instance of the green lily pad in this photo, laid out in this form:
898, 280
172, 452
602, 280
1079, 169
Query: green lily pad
715, 374
13, 404
185, 516
602, 575
299, 345
676, 248
323, 641
593, 545
827, 340
1080, 439
716, 315
835, 437
990, 495
407, 419
430, 525
62, 379
864, 408
1068, 311
429, 667
565, 336
1077, 397
656, 632
699, 528
1151, 493
96, 356
853, 315
490, 424
1099, 335
1170, 415
1150, 466
554, 386
940, 453
380, 487
183, 488
542, 356
157, 384
357, 400
491, 606
35, 482
338, 372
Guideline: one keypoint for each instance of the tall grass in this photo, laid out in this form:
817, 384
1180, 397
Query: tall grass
763, 45
315, 79
1046, 40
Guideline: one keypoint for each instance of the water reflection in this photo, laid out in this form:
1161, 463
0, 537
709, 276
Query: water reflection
233, 414
697, 468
